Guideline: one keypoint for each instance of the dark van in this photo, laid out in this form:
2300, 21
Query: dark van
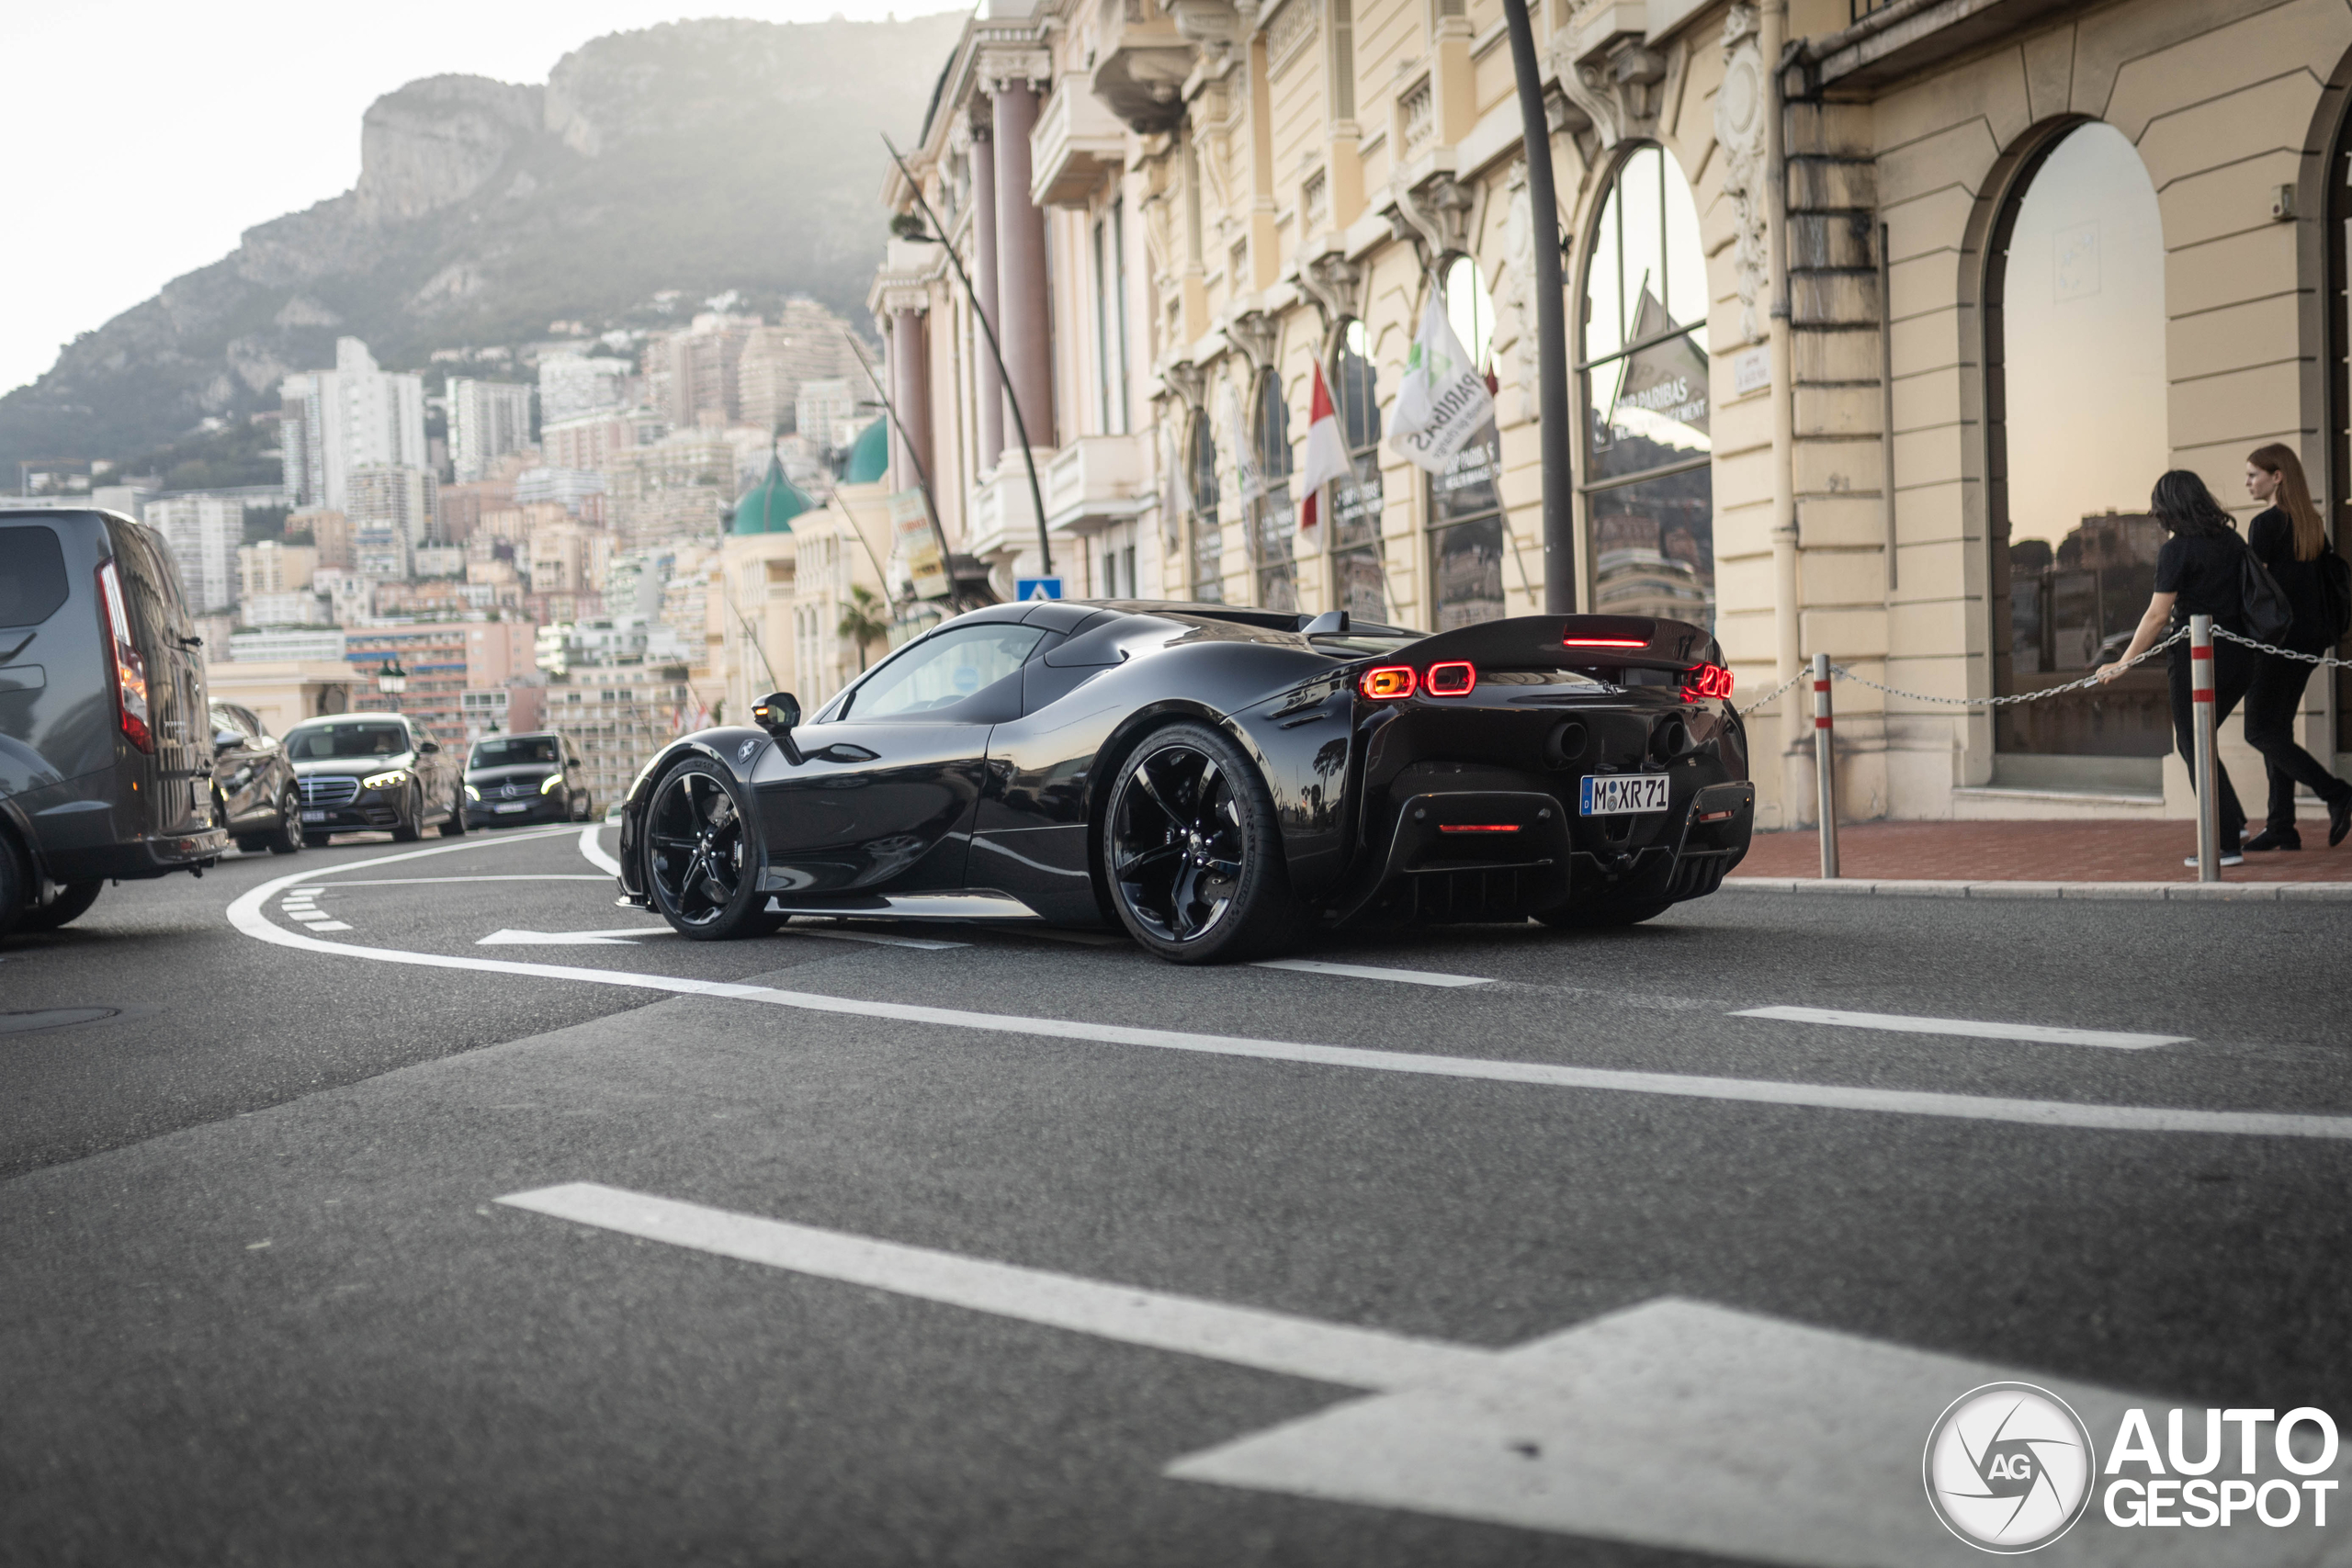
106, 748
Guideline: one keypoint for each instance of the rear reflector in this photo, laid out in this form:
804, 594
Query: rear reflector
1717, 816
1604, 642
1455, 678
1477, 828
1387, 682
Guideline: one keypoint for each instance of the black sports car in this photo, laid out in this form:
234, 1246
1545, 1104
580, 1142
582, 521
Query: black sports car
1219, 781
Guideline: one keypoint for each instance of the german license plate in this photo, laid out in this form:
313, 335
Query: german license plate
314, 816
1636, 792
515, 805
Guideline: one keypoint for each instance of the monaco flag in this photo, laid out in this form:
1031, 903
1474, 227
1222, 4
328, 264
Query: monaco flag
1327, 455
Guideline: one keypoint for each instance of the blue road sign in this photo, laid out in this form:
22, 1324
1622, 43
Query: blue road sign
1028, 588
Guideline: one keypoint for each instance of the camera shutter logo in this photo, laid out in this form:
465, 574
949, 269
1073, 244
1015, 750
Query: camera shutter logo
2009, 1467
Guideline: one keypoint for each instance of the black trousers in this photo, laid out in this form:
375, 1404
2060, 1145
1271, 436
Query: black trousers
2271, 703
2233, 671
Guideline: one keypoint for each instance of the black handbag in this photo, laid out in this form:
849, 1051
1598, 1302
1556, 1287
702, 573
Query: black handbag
2334, 592
2269, 617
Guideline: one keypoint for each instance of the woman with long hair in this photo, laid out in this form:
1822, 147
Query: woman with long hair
2290, 539
2198, 573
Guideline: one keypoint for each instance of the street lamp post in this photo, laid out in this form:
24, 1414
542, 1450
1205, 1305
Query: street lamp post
391, 680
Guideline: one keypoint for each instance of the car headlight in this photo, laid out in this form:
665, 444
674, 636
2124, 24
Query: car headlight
473, 794
547, 784
385, 781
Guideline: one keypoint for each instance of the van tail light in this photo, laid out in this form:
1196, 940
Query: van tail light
1706, 682
1455, 678
130, 668
1387, 682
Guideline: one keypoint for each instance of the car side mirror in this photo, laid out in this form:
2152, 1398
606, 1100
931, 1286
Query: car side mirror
778, 713
227, 740
429, 747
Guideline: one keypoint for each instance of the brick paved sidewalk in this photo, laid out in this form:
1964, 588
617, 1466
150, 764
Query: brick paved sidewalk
2035, 852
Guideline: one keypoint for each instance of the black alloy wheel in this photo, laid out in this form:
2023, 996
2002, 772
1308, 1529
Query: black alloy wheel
288, 838
411, 826
702, 856
454, 828
1192, 851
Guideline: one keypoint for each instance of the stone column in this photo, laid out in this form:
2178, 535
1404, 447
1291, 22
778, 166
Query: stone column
988, 389
1024, 322
910, 390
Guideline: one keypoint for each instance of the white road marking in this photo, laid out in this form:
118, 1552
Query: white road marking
1672, 1423
1276, 1342
617, 936
594, 852
328, 926
1368, 972
247, 913
1903, 1024
405, 881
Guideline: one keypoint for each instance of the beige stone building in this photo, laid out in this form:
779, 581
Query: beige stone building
1875, 355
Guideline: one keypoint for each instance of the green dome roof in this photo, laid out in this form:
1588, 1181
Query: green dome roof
869, 455
769, 506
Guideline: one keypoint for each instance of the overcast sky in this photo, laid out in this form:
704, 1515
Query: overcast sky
145, 137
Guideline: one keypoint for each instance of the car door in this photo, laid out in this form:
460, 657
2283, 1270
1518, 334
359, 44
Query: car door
883, 797
240, 766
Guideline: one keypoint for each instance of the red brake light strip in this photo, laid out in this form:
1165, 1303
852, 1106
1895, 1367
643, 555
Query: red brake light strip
1604, 642
1477, 828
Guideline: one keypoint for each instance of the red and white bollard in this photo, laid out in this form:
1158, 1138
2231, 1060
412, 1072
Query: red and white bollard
1825, 766
2200, 703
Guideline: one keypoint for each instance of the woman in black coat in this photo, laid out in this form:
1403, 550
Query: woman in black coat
2289, 539
2199, 572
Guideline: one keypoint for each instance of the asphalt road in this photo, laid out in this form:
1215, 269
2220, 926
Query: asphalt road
383, 1243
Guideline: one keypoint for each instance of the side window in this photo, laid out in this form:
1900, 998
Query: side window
247, 722
32, 576
942, 671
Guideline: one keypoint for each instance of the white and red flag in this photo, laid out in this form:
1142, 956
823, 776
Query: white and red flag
1327, 454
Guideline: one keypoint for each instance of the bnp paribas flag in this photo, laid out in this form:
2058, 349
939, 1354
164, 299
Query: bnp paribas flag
1443, 401
1666, 377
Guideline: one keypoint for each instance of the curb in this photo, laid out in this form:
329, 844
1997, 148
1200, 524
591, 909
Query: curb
2191, 892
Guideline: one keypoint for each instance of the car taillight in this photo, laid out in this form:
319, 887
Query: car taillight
1455, 678
1604, 642
1705, 682
1387, 682
130, 669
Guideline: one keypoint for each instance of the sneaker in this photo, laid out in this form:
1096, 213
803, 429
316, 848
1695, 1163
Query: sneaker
2275, 839
2229, 857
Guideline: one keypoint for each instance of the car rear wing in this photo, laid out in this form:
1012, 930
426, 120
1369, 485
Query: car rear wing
1570, 642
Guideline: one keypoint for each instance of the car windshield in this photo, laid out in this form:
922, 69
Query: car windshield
515, 751
312, 742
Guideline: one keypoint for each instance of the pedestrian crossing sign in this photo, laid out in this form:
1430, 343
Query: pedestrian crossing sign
1028, 588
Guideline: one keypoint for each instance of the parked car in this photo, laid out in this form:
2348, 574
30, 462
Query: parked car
382, 771
106, 764
538, 777
253, 792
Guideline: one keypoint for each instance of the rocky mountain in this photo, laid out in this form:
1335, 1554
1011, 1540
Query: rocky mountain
695, 156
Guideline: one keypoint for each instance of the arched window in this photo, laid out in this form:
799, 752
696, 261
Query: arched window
2075, 435
1649, 496
1360, 583
1272, 517
1467, 537
1208, 537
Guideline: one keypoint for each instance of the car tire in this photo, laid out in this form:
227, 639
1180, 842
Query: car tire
65, 908
702, 856
1598, 917
288, 838
410, 827
454, 828
1192, 850
16, 883
586, 809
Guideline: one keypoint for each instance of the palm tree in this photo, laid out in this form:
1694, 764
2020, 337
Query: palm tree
862, 620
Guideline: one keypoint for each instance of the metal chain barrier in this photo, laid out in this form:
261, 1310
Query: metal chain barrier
2321, 660
2084, 684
